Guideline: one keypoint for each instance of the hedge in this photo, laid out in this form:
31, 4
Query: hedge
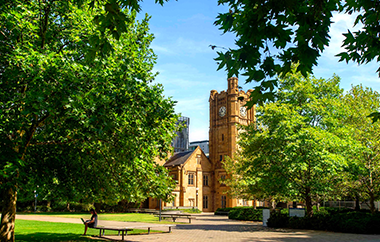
242, 213
246, 213
346, 221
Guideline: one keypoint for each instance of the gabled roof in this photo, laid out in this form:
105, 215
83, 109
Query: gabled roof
179, 158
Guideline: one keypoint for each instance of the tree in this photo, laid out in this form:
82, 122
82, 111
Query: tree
295, 150
79, 115
271, 35
364, 166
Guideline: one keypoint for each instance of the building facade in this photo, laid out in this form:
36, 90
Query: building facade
192, 171
227, 110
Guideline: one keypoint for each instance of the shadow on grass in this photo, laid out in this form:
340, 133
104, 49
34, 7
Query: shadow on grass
52, 237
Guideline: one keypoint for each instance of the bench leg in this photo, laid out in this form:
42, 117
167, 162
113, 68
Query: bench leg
122, 235
170, 229
118, 234
174, 219
104, 231
148, 230
100, 232
189, 220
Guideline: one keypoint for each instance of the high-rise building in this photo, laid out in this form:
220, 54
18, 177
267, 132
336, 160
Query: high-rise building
202, 144
181, 141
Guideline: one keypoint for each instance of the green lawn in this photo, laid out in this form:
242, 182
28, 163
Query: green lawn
123, 217
28, 230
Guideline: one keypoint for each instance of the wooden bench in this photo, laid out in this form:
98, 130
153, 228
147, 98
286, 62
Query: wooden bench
175, 216
170, 226
119, 229
150, 211
125, 229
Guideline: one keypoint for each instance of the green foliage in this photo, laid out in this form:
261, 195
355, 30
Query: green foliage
75, 127
223, 209
43, 208
297, 147
246, 214
271, 35
79, 115
363, 171
330, 219
278, 220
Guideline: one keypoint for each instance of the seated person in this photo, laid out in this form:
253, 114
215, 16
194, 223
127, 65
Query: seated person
91, 223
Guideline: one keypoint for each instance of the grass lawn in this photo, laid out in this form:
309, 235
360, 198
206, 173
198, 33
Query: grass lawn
28, 230
123, 217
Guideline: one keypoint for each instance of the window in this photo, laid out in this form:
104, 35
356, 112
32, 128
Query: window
222, 137
191, 179
205, 201
222, 178
174, 176
224, 201
220, 158
198, 159
245, 203
205, 180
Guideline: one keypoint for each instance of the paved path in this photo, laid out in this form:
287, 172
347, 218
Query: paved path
208, 227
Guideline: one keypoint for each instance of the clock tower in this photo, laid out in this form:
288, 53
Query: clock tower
227, 110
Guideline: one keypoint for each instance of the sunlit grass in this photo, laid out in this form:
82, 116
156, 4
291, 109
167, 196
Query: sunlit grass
30, 230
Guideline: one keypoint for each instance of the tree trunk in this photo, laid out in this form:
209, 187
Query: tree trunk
318, 205
357, 202
8, 216
97, 207
309, 205
372, 203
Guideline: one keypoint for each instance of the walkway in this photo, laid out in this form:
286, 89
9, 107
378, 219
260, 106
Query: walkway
208, 227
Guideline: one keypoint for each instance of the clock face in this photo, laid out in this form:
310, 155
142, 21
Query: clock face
243, 111
222, 111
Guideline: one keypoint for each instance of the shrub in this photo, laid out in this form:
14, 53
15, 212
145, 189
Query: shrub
246, 213
343, 220
278, 220
59, 206
43, 208
191, 210
222, 211
352, 222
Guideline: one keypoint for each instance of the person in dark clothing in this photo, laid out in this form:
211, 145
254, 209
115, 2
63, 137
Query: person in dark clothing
91, 223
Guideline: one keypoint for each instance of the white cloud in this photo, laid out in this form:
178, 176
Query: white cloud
162, 50
341, 23
200, 133
182, 47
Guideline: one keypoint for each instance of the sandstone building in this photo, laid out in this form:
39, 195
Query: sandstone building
200, 178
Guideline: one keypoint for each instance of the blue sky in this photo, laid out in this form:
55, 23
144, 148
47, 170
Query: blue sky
184, 30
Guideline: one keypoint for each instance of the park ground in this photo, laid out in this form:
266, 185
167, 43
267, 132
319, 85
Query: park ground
208, 227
